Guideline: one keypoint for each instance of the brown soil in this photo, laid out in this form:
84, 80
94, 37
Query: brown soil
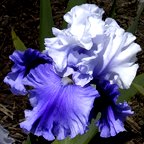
23, 16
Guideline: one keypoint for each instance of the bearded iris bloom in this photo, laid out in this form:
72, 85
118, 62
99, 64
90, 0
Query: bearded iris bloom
89, 51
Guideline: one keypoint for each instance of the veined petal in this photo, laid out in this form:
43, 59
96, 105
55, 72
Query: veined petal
116, 61
123, 75
81, 79
109, 125
59, 58
85, 28
112, 118
84, 72
78, 14
60, 109
23, 63
15, 81
113, 114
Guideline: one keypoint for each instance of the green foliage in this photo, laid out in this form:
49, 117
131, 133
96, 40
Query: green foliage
112, 11
137, 86
71, 4
81, 139
138, 83
133, 27
18, 44
27, 141
46, 21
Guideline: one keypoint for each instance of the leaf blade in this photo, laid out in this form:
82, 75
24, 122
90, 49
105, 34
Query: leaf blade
46, 21
136, 86
28, 141
133, 27
18, 44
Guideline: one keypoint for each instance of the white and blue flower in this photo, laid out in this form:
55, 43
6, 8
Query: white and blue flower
89, 51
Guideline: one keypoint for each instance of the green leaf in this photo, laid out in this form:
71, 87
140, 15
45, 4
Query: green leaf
139, 79
27, 141
137, 86
112, 11
81, 139
133, 27
46, 21
70, 5
18, 44
127, 94
138, 83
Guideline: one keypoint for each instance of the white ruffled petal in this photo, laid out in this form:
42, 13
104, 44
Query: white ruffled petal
126, 74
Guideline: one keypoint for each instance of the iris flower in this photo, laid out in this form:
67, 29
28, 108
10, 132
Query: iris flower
90, 50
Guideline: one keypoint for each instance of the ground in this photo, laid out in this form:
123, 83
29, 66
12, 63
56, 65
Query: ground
23, 17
